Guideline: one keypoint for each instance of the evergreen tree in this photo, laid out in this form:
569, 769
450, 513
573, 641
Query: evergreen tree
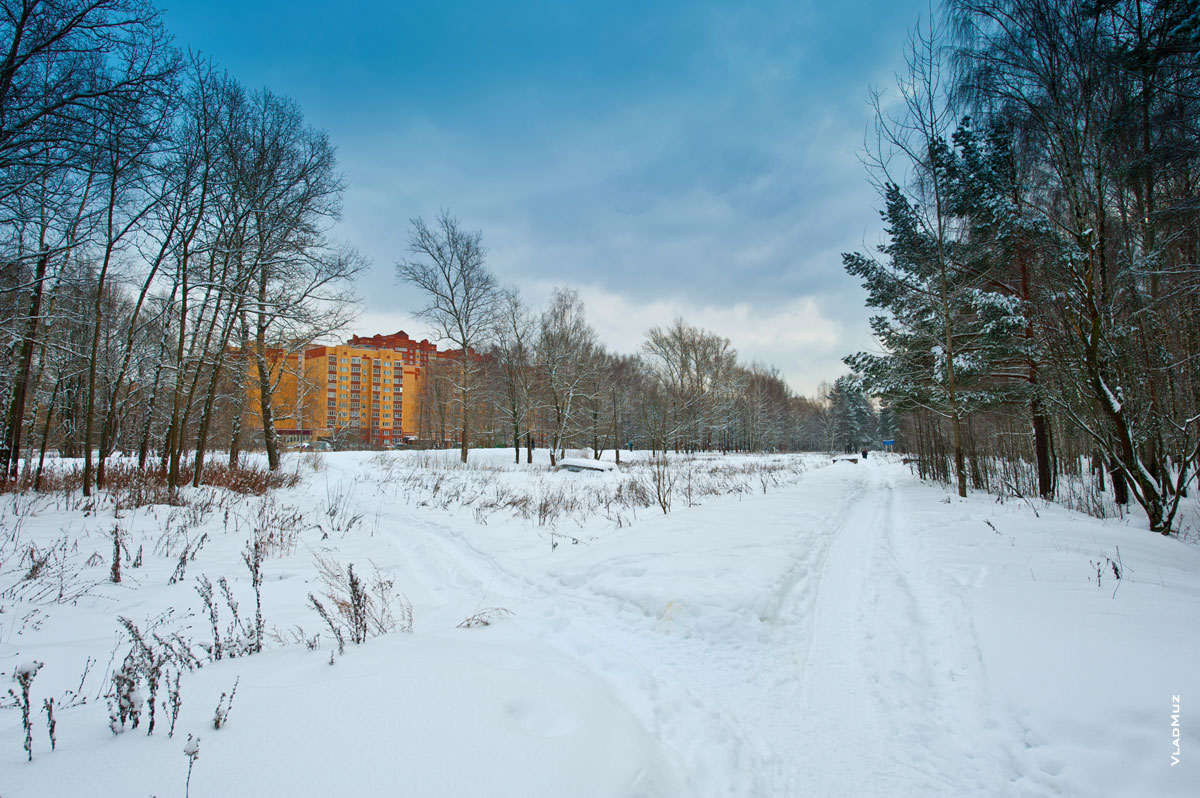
854, 420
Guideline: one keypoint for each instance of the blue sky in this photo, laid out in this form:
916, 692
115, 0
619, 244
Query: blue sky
662, 158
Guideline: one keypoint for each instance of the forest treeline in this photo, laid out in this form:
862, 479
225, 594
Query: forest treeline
546, 380
1038, 289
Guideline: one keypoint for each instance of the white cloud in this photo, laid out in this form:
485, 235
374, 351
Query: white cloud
797, 337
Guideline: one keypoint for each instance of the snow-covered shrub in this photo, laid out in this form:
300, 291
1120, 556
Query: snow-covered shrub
51, 725
191, 750
335, 628
239, 638
23, 676
662, 482
224, 704
205, 588
148, 663
360, 608
125, 702
53, 575
272, 526
191, 549
547, 498
339, 516
115, 573
485, 617
175, 701
253, 556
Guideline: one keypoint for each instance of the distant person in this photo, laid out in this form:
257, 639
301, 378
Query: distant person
864, 454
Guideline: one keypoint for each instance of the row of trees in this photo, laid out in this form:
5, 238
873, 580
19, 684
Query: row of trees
161, 228
1040, 280
520, 374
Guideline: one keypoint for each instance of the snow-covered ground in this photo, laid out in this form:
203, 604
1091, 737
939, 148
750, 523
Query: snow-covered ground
792, 627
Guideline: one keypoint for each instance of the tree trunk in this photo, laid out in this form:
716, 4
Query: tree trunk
1041, 448
10, 446
37, 478
464, 396
1120, 486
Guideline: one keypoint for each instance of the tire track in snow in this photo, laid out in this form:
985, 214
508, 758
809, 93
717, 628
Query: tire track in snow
956, 731
619, 646
854, 680
889, 697
829, 733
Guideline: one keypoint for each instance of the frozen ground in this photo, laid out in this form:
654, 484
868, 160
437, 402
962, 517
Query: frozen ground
824, 630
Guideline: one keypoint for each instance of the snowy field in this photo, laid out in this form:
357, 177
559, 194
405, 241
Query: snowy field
791, 627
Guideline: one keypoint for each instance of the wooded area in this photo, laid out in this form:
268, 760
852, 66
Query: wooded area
160, 228
1039, 285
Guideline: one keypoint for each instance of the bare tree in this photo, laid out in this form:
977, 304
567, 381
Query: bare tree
513, 356
694, 369
464, 301
297, 291
565, 347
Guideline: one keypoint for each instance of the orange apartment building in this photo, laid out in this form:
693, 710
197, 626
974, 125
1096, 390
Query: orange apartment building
365, 392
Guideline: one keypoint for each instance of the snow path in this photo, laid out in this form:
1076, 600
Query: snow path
800, 698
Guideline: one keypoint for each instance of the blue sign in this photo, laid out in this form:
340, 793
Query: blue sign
890, 443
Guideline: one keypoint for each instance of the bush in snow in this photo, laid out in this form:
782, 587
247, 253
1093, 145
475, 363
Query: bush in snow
147, 664
224, 704
335, 628
191, 750
116, 559
360, 608
253, 556
239, 638
485, 617
205, 588
126, 701
175, 701
339, 516
23, 676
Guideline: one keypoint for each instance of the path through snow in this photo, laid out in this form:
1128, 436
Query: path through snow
796, 653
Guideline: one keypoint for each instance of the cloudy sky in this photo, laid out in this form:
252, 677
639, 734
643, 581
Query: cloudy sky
695, 159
